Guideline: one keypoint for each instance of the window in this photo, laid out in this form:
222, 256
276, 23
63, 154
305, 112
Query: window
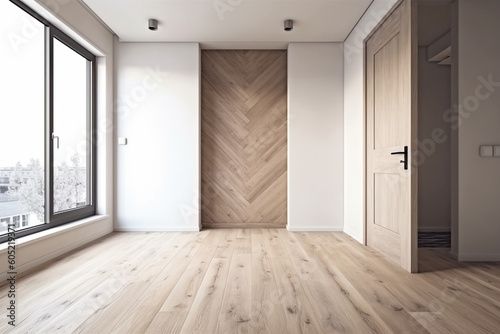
3, 224
47, 147
16, 220
70, 128
25, 220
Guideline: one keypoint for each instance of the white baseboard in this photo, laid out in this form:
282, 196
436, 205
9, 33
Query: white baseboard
157, 229
434, 229
355, 236
314, 228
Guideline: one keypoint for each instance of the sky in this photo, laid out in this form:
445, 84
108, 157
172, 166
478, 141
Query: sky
22, 92
21, 87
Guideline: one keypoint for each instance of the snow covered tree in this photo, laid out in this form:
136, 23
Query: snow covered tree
69, 186
31, 191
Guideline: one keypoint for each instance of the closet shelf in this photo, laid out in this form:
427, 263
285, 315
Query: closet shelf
440, 50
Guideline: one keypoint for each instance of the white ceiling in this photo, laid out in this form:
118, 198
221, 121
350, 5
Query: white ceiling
231, 23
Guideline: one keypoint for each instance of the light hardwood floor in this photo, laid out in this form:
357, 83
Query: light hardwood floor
252, 281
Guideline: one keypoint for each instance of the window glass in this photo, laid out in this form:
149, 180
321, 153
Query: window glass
71, 149
22, 116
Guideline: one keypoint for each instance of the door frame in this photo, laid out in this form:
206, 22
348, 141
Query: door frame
413, 153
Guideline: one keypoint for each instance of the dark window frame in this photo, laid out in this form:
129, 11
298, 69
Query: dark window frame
60, 218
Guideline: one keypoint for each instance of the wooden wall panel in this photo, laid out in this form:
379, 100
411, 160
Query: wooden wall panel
244, 138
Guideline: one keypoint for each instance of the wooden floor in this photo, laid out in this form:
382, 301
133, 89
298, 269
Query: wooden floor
252, 281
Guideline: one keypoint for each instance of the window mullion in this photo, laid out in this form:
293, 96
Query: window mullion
49, 123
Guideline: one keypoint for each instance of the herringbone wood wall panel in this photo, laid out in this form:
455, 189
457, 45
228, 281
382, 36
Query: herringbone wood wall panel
244, 138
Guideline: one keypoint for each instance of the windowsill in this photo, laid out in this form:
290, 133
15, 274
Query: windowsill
53, 231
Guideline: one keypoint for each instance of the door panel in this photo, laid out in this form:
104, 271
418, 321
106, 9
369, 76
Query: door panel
387, 201
388, 117
391, 123
244, 138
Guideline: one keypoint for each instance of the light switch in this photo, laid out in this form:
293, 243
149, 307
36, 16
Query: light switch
486, 151
122, 141
496, 151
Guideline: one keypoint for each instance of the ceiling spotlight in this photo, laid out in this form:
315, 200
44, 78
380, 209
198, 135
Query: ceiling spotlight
153, 24
288, 25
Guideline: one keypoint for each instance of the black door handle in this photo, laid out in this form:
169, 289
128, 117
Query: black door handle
405, 161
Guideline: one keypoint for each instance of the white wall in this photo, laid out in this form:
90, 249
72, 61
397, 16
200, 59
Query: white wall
434, 182
158, 111
315, 137
479, 104
75, 20
354, 118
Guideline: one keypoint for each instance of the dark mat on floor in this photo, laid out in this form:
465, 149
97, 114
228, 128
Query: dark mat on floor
434, 239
